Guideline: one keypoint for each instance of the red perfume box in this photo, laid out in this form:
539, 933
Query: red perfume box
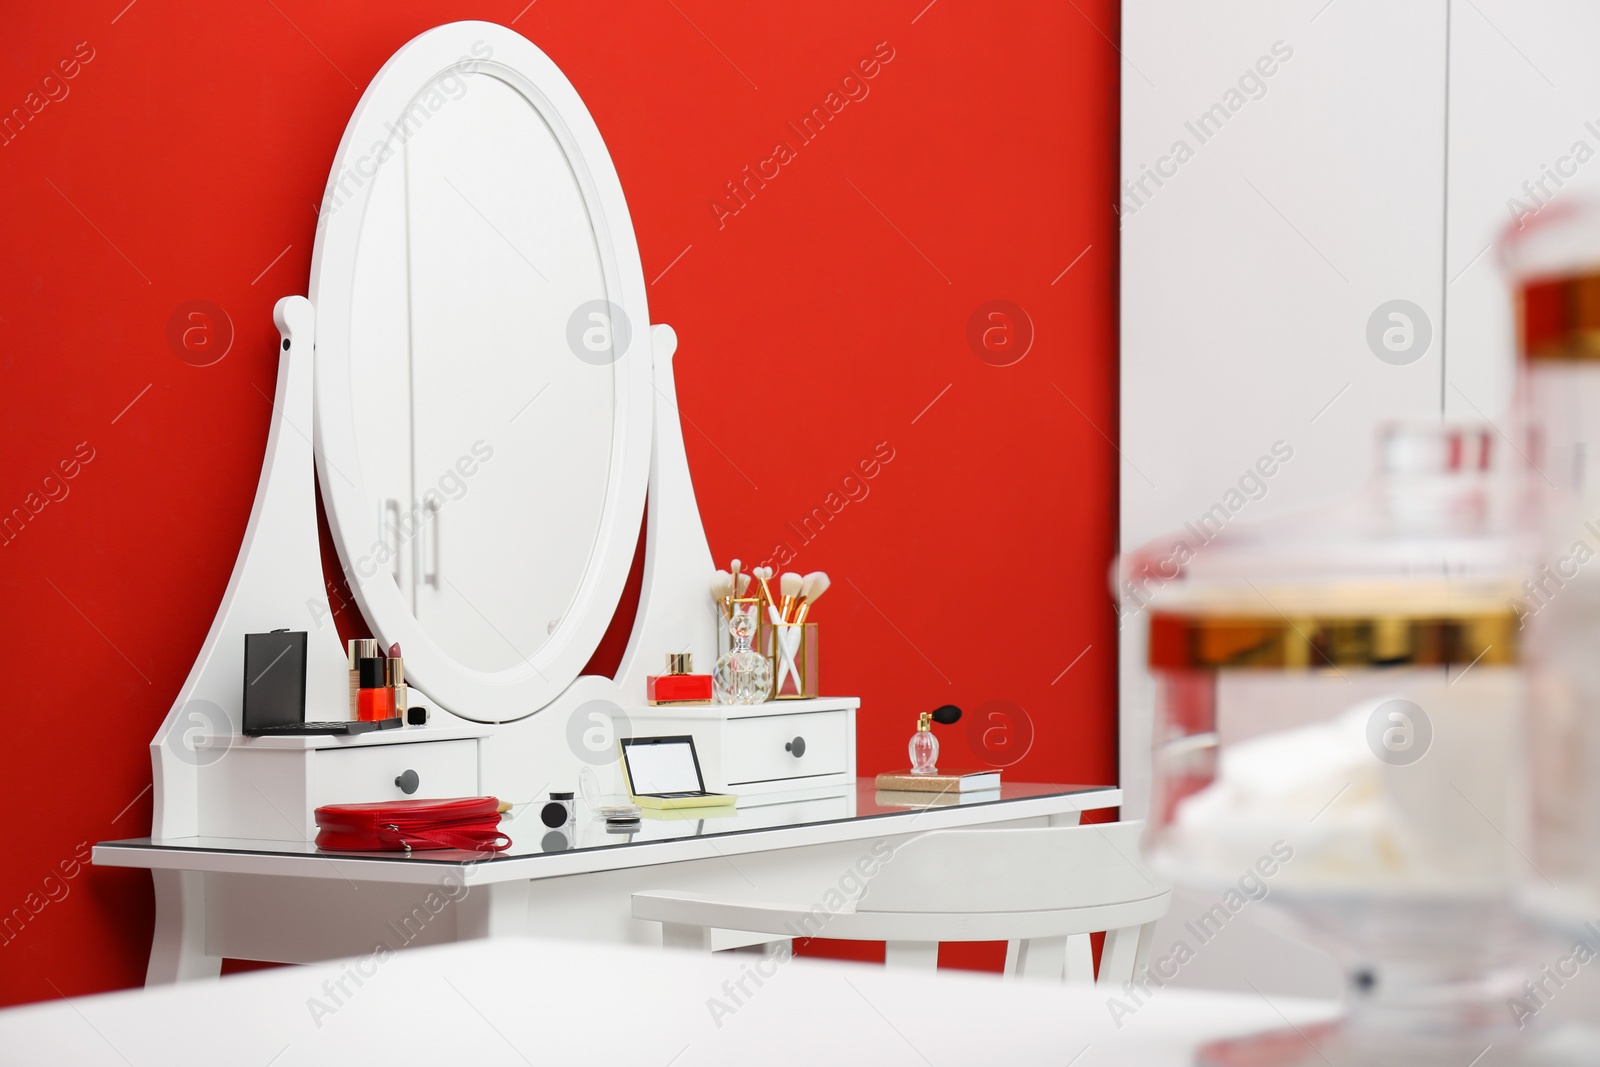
678, 688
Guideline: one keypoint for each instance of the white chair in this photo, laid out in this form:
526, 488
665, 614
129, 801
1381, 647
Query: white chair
1042, 890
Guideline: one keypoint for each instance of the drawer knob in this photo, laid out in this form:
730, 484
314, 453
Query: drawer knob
796, 748
408, 782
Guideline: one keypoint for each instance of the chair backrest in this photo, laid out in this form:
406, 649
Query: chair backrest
1033, 869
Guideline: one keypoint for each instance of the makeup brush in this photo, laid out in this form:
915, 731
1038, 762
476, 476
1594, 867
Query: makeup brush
762, 575
811, 589
734, 567
744, 584
721, 585
790, 585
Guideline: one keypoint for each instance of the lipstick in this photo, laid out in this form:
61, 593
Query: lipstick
395, 679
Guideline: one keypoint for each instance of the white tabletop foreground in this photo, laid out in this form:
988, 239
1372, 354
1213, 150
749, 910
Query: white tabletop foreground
521, 1001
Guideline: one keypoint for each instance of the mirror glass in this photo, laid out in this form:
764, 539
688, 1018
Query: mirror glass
484, 437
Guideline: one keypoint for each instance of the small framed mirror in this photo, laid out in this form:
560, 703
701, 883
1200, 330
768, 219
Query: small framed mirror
483, 370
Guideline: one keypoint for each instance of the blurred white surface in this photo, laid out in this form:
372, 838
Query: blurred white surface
512, 1001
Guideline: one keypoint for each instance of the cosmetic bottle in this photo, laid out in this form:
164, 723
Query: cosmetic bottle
360, 649
742, 675
560, 810
924, 747
375, 701
678, 685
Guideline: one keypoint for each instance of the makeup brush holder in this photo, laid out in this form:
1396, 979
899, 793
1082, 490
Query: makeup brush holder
792, 649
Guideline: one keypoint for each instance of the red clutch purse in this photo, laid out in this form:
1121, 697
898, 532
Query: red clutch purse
471, 823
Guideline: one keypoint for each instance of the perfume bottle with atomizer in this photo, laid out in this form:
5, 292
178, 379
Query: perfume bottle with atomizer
924, 747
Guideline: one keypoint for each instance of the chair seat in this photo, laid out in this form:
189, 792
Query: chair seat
1043, 890
850, 924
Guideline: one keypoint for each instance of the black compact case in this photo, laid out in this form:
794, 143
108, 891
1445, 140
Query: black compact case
274, 680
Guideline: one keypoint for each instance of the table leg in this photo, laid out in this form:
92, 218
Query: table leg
1080, 960
498, 909
911, 955
1040, 958
178, 949
690, 938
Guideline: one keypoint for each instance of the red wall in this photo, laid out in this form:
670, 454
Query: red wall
183, 160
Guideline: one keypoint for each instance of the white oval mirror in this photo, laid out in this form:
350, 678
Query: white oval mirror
483, 373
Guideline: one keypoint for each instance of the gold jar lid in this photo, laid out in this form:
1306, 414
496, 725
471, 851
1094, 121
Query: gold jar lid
1310, 628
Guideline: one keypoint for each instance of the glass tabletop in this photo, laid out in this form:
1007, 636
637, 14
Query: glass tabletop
588, 832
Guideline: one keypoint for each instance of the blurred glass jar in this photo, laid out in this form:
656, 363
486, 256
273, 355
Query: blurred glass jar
1553, 264
1338, 740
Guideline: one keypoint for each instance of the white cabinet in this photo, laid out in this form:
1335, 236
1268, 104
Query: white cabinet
268, 788
514, 426
429, 770
780, 747
1249, 276
764, 748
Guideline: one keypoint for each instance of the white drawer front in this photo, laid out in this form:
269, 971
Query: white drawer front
761, 749
819, 809
368, 773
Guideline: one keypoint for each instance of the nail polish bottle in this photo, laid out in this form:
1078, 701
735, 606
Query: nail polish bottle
678, 685
375, 701
360, 649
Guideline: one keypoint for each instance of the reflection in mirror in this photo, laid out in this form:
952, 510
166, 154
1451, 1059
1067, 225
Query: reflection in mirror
484, 439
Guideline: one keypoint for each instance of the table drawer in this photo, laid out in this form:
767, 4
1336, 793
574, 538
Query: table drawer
369, 773
762, 748
754, 814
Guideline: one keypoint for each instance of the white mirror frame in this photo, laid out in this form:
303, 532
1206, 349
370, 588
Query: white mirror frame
519, 691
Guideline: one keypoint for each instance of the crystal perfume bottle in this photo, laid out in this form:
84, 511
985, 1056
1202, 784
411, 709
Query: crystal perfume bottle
742, 675
924, 747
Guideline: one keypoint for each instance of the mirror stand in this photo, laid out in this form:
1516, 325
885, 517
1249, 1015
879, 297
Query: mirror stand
211, 780
277, 579
513, 733
674, 609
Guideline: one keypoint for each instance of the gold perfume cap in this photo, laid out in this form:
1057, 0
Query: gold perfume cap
680, 663
925, 721
362, 648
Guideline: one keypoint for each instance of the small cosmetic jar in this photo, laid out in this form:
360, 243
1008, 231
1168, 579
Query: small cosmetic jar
558, 811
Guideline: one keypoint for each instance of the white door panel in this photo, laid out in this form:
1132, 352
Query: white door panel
1249, 276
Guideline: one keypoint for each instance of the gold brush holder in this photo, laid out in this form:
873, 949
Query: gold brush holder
792, 648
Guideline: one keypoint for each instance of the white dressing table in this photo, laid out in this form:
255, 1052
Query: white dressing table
475, 381
286, 902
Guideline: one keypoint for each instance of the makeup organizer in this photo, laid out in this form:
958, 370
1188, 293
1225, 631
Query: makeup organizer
769, 650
